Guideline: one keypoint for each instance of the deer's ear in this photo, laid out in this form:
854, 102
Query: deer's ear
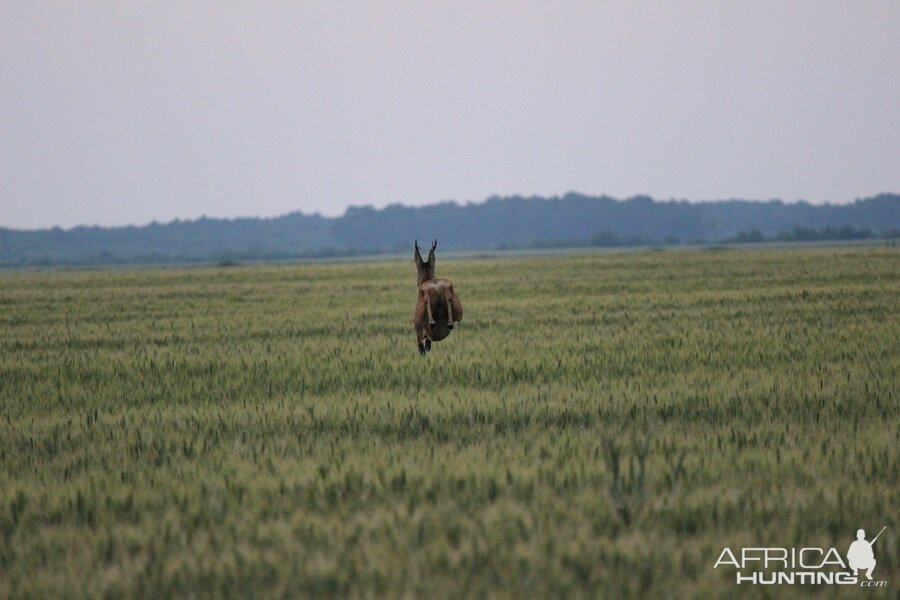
418, 257
431, 255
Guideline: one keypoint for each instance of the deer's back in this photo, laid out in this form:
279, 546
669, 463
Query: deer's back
434, 286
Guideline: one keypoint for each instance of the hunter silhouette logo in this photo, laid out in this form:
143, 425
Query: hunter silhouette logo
860, 554
806, 565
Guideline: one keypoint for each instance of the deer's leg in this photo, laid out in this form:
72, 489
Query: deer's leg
423, 331
426, 337
428, 307
449, 309
421, 338
417, 325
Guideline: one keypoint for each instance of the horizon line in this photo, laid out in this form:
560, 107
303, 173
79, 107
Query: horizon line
350, 207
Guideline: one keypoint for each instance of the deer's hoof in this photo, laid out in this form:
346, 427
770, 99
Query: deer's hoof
450, 325
422, 349
427, 345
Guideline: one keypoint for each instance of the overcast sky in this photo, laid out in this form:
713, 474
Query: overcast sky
125, 112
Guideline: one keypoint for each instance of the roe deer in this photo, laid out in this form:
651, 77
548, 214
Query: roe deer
438, 307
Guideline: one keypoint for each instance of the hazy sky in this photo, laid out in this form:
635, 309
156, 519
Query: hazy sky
126, 112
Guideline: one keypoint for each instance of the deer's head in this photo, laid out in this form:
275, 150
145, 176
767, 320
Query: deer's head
425, 268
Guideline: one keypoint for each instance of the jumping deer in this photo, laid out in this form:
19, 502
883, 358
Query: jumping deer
438, 307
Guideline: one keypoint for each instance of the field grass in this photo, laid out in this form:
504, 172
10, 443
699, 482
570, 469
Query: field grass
598, 426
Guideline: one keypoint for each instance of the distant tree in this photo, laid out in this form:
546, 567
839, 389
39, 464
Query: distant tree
753, 236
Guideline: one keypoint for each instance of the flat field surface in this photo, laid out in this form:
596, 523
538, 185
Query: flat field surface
598, 426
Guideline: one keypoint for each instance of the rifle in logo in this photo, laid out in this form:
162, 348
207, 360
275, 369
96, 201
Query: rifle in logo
860, 554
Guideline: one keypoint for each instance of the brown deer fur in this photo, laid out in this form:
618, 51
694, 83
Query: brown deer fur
438, 307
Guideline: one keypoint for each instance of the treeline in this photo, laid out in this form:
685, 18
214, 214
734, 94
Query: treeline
608, 239
802, 234
510, 222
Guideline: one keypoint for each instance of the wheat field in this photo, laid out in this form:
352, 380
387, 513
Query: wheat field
599, 425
